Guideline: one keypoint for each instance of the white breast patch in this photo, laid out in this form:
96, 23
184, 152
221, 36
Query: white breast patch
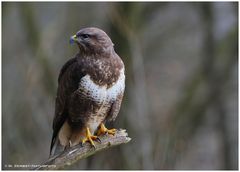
101, 93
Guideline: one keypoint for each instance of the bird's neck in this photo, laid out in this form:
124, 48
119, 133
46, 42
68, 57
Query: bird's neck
101, 52
104, 70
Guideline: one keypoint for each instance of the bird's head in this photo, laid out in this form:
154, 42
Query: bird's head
92, 40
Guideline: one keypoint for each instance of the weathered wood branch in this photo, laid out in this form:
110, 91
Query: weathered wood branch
79, 152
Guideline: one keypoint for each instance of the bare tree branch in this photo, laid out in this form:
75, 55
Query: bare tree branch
79, 152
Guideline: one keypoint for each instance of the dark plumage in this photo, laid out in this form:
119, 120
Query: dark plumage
90, 90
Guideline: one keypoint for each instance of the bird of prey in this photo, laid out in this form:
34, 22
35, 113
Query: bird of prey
90, 91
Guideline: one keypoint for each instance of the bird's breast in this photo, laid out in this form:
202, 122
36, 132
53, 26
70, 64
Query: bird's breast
102, 93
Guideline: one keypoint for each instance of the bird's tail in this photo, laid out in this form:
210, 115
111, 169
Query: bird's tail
56, 147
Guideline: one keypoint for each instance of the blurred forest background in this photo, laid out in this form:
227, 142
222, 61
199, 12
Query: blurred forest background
181, 101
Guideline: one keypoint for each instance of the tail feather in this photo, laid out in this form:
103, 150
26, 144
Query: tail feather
56, 147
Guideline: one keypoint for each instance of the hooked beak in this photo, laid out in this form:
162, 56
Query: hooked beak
73, 39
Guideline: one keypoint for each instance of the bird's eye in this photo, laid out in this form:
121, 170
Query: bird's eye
85, 36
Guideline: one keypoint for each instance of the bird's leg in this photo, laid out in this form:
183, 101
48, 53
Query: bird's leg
89, 138
103, 130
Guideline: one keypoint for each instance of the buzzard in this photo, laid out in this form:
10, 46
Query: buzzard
90, 91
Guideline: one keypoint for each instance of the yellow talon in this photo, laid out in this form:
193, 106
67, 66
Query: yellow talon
104, 130
89, 137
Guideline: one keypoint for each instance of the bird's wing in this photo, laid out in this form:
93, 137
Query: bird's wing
115, 108
61, 99
67, 83
65, 67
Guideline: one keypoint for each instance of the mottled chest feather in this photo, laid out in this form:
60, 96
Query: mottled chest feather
102, 93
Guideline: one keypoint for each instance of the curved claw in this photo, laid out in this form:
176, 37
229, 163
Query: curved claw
98, 140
